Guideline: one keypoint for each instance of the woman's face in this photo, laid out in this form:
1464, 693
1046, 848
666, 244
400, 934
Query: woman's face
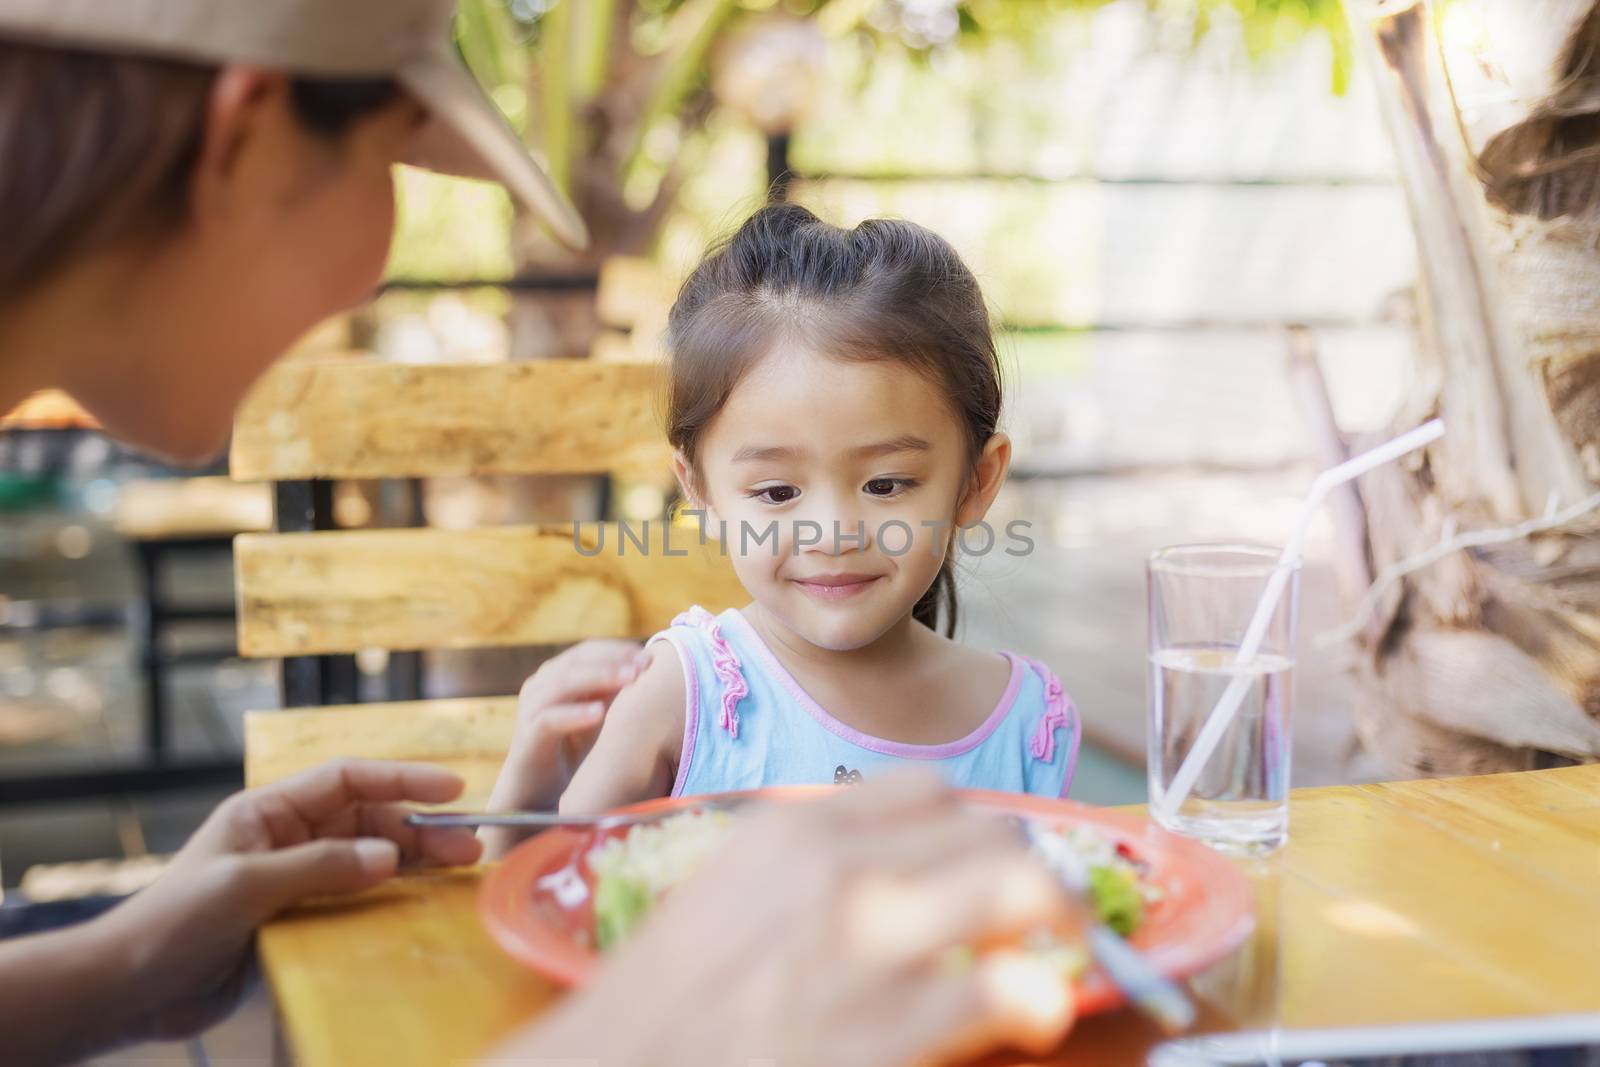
287, 227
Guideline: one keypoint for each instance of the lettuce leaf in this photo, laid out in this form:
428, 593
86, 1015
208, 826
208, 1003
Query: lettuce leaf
1117, 900
620, 904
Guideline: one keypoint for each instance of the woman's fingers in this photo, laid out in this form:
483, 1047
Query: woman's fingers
989, 896
263, 883
1008, 1000
322, 793
936, 838
1027, 1001
426, 846
365, 799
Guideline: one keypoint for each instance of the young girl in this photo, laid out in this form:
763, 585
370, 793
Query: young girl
834, 400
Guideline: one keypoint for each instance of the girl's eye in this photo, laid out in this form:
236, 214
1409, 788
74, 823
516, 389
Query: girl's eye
775, 494
888, 486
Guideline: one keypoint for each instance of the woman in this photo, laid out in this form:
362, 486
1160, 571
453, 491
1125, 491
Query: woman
185, 187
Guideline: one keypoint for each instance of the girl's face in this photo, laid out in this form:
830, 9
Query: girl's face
836, 484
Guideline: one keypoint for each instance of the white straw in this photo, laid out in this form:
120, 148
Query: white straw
1227, 707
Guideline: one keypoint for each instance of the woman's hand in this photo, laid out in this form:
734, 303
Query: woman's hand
336, 828
172, 959
823, 935
559, 714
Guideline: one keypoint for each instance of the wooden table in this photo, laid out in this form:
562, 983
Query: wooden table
1401, 902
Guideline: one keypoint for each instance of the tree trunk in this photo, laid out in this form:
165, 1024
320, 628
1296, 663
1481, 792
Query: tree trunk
600, 100
1489, 658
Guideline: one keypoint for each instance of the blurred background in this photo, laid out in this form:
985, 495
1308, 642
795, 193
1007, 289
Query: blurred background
1183, 214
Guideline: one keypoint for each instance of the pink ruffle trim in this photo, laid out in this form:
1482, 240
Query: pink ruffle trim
729, 671
1043, 745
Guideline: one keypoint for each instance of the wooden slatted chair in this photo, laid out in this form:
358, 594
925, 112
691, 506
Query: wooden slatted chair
305, 591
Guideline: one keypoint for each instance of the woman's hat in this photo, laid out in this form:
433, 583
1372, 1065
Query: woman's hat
407, 40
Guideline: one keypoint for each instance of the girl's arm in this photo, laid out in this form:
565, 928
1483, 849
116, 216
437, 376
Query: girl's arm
635, 757
559, 714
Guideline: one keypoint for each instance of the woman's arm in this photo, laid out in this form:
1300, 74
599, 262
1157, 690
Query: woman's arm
635, 757
68, 994
169, 960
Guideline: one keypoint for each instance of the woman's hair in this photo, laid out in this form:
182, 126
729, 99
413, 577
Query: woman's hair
885, 290
95, 148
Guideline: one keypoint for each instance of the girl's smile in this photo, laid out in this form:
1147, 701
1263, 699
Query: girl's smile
836, 586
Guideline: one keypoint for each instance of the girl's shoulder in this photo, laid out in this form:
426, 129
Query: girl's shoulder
963, 660
635, 755
1041, 681
1045, 712
964, 668
698, 618
712, 653
1040, 670
650, 708
1032, 690
697, 633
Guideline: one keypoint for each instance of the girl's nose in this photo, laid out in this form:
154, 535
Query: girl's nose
832, 530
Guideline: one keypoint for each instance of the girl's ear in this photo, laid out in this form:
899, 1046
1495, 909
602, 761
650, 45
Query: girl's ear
988, 475
683, 470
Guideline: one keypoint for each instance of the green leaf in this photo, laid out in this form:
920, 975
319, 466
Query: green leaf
593, 48
1116, 898
620, 905
556, 113
489, 40
690, 33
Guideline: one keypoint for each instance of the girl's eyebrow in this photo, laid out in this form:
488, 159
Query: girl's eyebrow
765, 453
903, 443
768, 453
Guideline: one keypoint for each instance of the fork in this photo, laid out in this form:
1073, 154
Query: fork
1144, 986
544, 820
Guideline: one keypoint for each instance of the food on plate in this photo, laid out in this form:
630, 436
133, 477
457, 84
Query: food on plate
632, 871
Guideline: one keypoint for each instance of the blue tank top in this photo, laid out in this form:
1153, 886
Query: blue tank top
747, 724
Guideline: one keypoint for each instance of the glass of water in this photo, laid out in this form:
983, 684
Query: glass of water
1202, 598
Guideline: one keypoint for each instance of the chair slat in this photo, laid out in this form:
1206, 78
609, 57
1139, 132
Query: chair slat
344, 591
368, 418
469, 735
157, 509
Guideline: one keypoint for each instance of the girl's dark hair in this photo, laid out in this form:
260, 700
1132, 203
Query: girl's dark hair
97, 147
886, 290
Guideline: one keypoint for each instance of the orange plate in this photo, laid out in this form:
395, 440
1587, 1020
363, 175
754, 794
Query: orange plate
537, 903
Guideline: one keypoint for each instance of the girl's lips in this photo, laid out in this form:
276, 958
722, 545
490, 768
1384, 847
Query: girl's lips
836, 588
